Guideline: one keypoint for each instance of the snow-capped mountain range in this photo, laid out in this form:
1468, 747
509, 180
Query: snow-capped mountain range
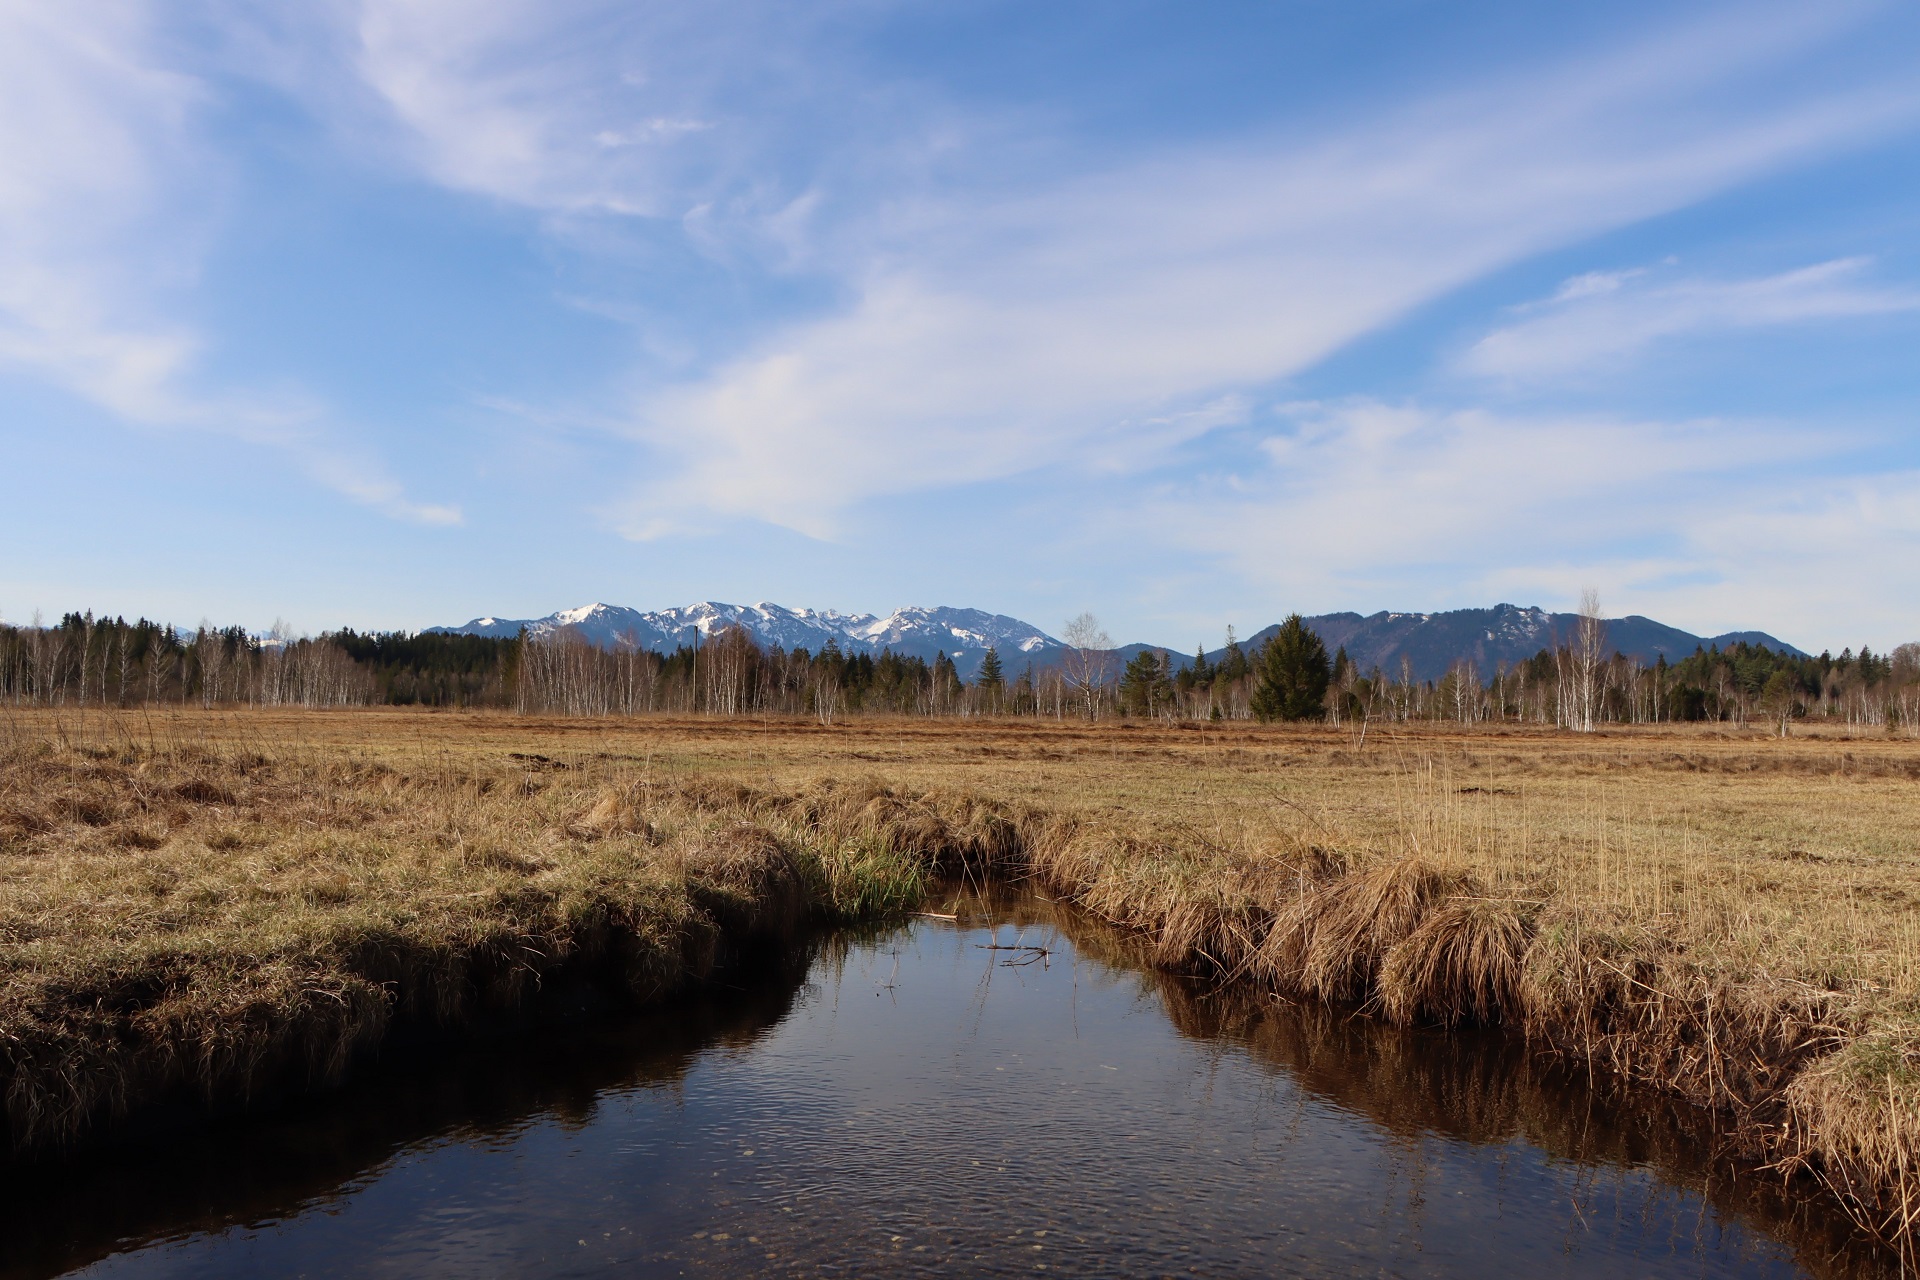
964, 635
1428, 642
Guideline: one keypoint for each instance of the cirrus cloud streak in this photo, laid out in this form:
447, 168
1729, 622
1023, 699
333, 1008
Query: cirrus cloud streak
1599, 321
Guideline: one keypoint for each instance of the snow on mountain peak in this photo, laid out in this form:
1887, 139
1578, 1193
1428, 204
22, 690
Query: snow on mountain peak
964, 635
1429, 641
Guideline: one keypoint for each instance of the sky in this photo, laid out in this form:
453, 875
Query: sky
392, 313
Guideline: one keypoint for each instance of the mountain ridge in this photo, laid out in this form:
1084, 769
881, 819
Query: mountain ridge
1504, 634
1429, 643
964, 635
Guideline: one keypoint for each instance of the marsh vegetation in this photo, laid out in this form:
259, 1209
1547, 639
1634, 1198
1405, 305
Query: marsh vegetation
218, 904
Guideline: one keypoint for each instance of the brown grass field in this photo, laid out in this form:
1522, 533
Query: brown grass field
235, 903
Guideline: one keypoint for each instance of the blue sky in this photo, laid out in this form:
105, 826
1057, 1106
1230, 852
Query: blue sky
394, 312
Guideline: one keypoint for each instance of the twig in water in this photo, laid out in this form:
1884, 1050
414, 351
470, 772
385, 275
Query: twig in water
1028, 955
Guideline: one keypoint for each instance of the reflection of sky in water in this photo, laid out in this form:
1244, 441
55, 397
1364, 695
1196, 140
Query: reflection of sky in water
926, 1105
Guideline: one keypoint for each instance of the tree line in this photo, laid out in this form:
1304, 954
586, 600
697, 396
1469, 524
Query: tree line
1577, 684
88, 661
1742, 684
107, 661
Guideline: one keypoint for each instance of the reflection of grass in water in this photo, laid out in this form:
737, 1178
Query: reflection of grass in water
1487, 1089
559, 1065
216, 902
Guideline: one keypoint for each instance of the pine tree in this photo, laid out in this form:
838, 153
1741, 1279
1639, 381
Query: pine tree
990, 676
1292, 674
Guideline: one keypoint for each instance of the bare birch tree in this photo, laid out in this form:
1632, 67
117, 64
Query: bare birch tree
1589, 657
1089, 651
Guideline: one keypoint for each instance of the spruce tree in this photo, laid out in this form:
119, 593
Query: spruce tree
831, 660
1233, 663
1144, 686
990, 676
1292, 674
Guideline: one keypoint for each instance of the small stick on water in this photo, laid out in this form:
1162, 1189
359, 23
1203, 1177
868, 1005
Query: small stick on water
934, 915
1028, 954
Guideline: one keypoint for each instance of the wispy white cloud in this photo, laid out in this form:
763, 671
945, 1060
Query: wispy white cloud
653, 130
364, 480
583, 107
494, 106
1598, 321
109, 197
1824, 560
1361, 487
1709, 523
92, 140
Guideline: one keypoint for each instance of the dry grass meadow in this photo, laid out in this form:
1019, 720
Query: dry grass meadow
227, 903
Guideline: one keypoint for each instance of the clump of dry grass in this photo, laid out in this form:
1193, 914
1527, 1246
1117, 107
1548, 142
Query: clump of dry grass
1462, 962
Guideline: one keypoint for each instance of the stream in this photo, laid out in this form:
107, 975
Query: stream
1008, 1092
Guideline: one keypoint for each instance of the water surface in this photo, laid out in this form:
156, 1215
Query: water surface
1005, 1093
